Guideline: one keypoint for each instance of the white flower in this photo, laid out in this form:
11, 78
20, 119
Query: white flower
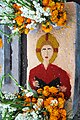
35, 106
53, 102
19, 117
8, 1
32, 25
29, 94
25, 90
34, 115
5, 20
25, 109
40, 101
15, 30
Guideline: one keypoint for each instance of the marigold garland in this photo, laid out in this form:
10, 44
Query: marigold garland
26, 15
46, 104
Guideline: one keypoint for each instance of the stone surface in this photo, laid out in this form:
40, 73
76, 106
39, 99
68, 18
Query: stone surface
69, 50
9, 61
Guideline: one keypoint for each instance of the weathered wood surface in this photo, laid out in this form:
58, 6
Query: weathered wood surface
23, 60
9, 60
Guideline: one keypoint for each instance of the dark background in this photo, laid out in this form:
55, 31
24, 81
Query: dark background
77, 1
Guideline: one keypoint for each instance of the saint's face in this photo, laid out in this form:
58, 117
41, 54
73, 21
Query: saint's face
46, 52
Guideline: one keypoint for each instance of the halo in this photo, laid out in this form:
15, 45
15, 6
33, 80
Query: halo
47, 39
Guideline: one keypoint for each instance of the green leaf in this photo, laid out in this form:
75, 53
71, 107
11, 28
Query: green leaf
15, 81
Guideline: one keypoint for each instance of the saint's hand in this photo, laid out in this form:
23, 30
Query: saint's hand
63, 88
36, 84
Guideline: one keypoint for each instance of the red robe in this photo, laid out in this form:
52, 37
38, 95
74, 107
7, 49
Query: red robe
50, 74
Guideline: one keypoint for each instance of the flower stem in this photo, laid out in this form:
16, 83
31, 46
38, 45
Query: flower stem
15, 81
4, 33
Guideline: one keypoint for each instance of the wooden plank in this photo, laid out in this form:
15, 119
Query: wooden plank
1, 54
23, 60
7, 56
77, 62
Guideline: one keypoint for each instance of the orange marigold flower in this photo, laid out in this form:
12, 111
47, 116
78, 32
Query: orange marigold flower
64, 118
49, 108
46, 88
44, 113
28, 20
64, 16
45, 93
62, 7
24, 97
34, 100
61, 102
54, 20
54, 13
53, 90
46, 27
51, 3
61, 95
19, 20
28, 99
19, 96
58, 5
39, 91
62, 112
28, 104
18, 13
22, 27
48, 101
15, 6
55, 112
1, 43
26, 31
45, 2
61, 22
52, 117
